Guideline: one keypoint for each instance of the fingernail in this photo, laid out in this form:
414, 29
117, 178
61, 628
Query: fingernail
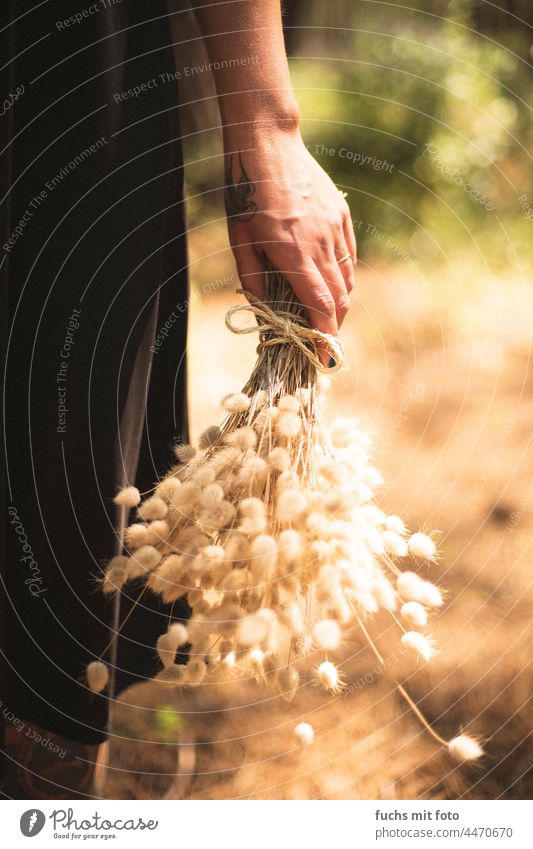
331, 363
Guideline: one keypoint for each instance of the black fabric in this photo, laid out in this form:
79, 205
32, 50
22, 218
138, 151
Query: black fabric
93, 180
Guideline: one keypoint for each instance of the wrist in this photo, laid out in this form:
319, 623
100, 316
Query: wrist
254, 115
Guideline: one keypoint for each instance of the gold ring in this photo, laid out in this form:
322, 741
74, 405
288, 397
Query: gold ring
344, 258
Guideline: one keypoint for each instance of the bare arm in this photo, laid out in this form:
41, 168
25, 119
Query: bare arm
280, 203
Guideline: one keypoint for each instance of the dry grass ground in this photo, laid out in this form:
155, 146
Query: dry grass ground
441, 375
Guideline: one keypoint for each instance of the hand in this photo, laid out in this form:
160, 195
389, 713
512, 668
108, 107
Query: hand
283, 207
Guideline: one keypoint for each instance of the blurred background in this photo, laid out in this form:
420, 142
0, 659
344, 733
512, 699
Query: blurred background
422, 115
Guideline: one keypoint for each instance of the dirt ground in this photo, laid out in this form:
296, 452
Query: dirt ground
439, 373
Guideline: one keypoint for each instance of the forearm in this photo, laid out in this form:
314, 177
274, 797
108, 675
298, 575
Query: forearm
244, 41
281, 206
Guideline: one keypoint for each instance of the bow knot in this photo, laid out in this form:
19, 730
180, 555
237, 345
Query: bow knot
286, 328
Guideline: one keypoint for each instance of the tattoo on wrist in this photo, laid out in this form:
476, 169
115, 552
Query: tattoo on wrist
239, 207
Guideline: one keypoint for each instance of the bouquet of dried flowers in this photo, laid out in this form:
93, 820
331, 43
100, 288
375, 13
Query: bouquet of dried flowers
270, 528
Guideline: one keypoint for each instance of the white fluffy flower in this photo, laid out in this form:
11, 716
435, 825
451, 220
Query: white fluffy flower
145, 559
342, 432
374, 540
234, 581
288, 425
226, 618
263, 556
204, 475
115, 574
211, 494
289, 547
414, 614
178, 634
166, 580
252, 508
237, 402
287, 480
184, 452
394, 523
128, 497
216, 516
420, 645
289, 404
327, 634
229, 660
167, 488
375, 516
260, 398
157, 532
185, 497
243, 438
304, 733
373, 477
209, 437
383, 592
328, 676
212, 556
252, 631
394, 544
317, 524
97, 675
412, 588
136, 535
257, 657
320, 552
279, 459
266, 418
253, 469
235, 548
253, 515
290, 504
173, 676
153, 508
293, 618
420, 545
465, 748
166, 650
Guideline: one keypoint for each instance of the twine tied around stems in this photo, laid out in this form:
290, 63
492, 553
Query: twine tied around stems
283, 327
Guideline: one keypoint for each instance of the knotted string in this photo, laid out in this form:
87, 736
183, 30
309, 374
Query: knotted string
286, 328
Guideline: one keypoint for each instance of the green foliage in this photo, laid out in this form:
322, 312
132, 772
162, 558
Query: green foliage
424, 123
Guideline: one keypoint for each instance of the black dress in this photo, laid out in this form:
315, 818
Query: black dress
94, 312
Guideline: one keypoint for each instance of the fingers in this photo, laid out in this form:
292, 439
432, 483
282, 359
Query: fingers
333, 278
346, 267
349, 236
347, 246
251, 270
311, 290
